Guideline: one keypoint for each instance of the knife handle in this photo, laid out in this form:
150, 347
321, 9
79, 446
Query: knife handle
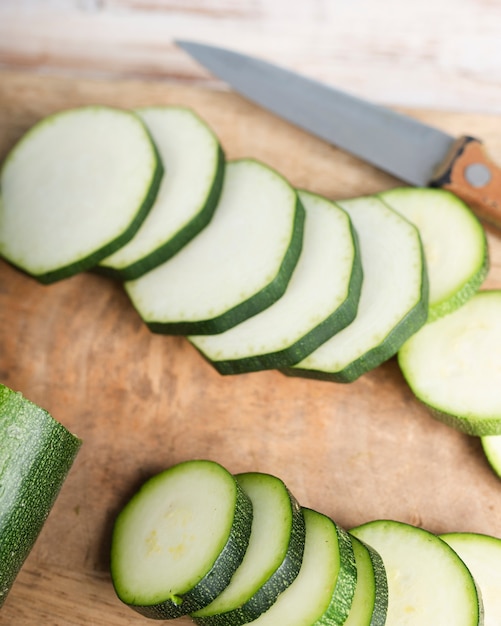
472, 176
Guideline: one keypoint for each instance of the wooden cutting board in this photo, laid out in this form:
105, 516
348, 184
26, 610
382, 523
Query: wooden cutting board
142, 402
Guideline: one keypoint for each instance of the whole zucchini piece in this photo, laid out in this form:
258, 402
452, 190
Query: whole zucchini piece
36, 453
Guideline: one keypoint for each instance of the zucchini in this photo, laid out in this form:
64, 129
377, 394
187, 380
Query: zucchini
393, 302
237, 266
427, 582
482, 555
370, 602
194, 166
323, 591
321, 299
452, 365
491, 445
74, 189
273, 557
178, 541
454, 241
36, 454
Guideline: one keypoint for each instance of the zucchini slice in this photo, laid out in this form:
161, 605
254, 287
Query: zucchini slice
393, 302
273, 558
321, 299
370, 602
36, 454
454, 241
491, 445
75, 189
452, 365
427, 582
178, 541
323, 591
194, 165
237, 266
482, 555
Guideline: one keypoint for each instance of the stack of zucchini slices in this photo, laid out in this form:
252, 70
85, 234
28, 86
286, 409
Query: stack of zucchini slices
255, 273
232, 550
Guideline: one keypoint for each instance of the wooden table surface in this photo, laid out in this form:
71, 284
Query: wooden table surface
428, 54
140, 401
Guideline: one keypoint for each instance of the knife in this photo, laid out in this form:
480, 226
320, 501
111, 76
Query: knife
410, 150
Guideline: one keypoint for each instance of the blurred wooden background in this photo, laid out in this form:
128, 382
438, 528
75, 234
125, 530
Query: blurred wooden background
436, 55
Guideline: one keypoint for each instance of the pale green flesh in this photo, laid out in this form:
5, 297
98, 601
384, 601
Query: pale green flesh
453, 365
190, 153
427, 582
454, 242
390, 289
238, 254
318, 287
370, 602
341, 601
72, 186
309, 596
268, 544
491, 445
170, 534
482, 555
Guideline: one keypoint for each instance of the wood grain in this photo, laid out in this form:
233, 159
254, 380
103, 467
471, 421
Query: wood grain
142, 402
426, 54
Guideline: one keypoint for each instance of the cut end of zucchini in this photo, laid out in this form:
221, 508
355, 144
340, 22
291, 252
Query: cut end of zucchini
454, 241
36, 454
453, 365
74, 189
179, 540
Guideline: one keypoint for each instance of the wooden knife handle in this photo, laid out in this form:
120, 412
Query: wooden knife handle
472, 176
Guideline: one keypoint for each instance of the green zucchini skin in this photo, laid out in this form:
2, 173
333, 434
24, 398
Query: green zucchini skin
296, 352
342, 597
92, 259
184, 235
213, 581
279, 580
181, 238
370, 601
413, 320
258, 302
36, 454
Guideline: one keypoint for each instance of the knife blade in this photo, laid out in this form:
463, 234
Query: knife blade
410, 150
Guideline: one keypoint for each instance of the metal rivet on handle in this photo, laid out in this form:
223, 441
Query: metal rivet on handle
477, 174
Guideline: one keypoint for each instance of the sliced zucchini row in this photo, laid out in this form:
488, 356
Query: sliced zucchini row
454, 241
452, 365
194, 166
272, 560
482, 555
179, 540
370, 602
237, 266
323, 591
321, 299
427, 582
36, 454
74, 189
394, 299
